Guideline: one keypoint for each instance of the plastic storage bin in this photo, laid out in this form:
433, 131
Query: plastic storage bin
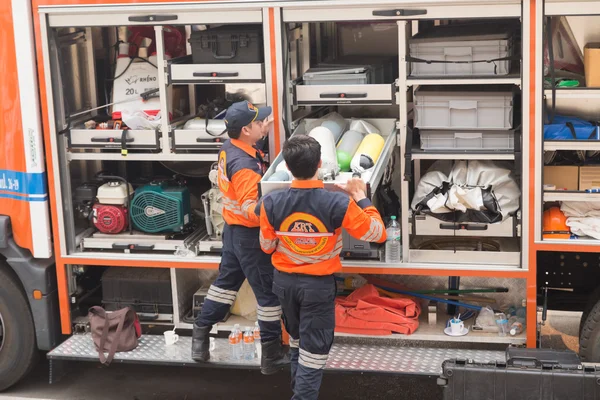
468, 140
147, 290
336, 76
444, 108
228, 44
463, 44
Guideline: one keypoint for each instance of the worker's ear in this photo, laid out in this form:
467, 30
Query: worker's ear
320, 163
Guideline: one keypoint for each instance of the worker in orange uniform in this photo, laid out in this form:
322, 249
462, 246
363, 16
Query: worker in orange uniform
240, 169
302, 228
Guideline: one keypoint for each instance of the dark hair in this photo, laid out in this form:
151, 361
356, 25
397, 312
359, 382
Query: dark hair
234, 133
302, 155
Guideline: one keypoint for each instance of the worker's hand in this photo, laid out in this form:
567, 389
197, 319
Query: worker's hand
266, 125
356, 188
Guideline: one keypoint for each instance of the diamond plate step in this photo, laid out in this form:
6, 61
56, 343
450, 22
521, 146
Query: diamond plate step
343, 357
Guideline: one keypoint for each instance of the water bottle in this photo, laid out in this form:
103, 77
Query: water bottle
249, 348
235, 343
392, 245
502, 323
516, 325
256, 334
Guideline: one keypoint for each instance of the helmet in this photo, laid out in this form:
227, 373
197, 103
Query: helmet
555, 224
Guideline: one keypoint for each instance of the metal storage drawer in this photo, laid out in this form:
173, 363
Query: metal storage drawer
427, 225
476, 108
388, 130
113, 139
192, 139
376, 94
215, 73
469, 140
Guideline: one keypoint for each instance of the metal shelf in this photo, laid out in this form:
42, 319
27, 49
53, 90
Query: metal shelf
512, 79
575, 93
418, 154
563, 195
212, 157
554, 145
582, 241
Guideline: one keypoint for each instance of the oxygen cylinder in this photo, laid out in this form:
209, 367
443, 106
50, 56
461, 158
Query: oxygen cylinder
347, 148
368, 153
281, 176
335, 128
282, 166
328, 157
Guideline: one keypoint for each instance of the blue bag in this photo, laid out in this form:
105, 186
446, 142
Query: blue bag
571, 128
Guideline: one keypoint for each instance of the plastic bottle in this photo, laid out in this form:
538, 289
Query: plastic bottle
256, 334
393, 248
502, 323
516, 325
249, 348
235, 343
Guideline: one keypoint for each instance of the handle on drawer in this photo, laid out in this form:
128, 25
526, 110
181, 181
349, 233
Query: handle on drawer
133, 247
216, 74
458, 51
468, 135
399, 12
466, 227
462, 104
153, 18
215, 140
110, 140
343, 95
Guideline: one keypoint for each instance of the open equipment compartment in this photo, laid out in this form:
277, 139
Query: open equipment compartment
168, 162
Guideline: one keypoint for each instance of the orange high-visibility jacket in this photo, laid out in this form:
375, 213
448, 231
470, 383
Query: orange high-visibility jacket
241, 167
302, 227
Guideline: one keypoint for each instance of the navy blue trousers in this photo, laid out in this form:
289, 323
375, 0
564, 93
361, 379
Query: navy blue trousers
243, 258
309, 318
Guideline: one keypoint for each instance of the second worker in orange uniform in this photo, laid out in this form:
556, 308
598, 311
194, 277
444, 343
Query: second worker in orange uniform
302, 228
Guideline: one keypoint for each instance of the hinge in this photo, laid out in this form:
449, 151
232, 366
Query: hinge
398, 125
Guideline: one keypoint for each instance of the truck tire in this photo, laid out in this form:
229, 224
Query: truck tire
589, 339
592, 301
18, 349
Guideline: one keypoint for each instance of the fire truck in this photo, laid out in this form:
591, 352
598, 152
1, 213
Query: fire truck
112, 122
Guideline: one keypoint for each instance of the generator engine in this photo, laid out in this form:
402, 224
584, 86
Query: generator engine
84, 198
110, 214
161, 207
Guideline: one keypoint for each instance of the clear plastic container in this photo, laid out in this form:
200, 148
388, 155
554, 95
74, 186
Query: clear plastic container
256, 334
235, 343
502, 323
249, 348
393, 247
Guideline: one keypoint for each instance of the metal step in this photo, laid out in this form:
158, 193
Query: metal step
344, 357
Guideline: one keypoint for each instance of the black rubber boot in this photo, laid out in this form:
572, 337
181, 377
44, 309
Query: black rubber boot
201, 343
275, 356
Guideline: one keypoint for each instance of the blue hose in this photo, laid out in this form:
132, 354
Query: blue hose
423, 296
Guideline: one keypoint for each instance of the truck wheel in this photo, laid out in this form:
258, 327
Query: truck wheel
18, 348
592, 301
589, 340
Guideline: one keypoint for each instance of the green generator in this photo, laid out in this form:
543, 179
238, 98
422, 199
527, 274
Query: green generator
161, 208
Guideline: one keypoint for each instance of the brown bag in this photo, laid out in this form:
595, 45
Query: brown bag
115, 331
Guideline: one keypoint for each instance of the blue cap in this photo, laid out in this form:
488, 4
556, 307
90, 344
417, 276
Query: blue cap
243, 113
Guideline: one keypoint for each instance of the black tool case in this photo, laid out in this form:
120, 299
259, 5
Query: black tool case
241, 44
146, 290
528, 374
